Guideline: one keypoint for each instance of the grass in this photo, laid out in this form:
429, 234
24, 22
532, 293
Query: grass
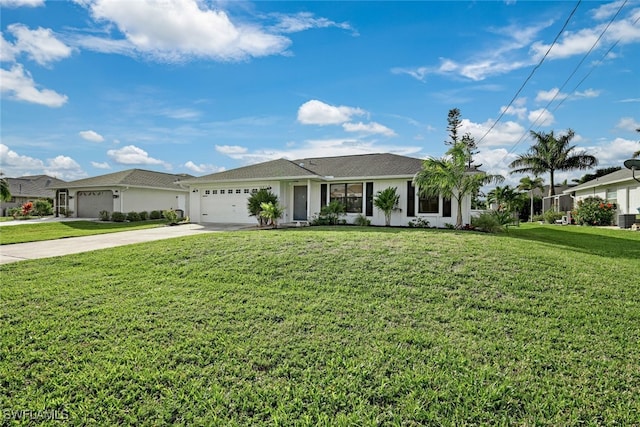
59, 230
330, 326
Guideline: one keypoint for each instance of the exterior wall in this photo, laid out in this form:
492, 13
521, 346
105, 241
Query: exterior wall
135, 199
628, 195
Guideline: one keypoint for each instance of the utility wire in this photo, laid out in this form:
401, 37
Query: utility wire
532, 73
570, 76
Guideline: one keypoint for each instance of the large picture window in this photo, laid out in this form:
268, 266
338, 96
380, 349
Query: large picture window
350, 195
428, 205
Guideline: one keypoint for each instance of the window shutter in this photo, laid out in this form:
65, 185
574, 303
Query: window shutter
411, 199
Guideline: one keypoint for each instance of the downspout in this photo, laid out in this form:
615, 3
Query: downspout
308, 197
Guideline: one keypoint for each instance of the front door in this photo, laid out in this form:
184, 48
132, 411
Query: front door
300, 203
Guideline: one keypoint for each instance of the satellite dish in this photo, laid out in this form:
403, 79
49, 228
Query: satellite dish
634, 165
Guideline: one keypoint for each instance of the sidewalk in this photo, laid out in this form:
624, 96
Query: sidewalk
73, 245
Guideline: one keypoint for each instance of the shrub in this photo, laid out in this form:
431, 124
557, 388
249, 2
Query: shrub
595, 211
362, 221
42, 207
418, 223
551, 216
488, 222
271, 212
171, 216
133, 216
104, 215
538, 218
144, 215
118, 217
332, 212
26, 208
255, 201
449, 226
14, 212
155, 215
387, 201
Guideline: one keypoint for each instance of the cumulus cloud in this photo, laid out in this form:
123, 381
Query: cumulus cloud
368, 128
541, 117
202, 168
304, 21
103, 165
132, 155
63, 167
21, 3
90, 135
18, 84
628, 124
316, 112
230, 149
614, 153
503, 133
41, 44
177, 30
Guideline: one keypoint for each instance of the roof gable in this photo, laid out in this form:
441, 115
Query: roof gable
34, 186
280, 168
612, 178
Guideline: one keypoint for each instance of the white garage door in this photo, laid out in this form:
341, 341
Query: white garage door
225, 205
90, 203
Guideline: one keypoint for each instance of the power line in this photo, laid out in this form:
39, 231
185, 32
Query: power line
532, 72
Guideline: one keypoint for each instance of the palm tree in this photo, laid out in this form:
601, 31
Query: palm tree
272, 212
637, 153
530, 185
450, 178
503, 197
551, 154
387, 201
5, 193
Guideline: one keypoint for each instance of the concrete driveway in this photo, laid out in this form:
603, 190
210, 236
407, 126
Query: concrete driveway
73, 245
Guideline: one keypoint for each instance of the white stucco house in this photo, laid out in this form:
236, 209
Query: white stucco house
617, 187
303, 186
132, 190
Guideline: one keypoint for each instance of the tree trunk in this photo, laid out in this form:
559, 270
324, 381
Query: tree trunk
552, 184
387, 219
531, 214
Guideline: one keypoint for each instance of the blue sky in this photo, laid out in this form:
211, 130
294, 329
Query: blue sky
195, 86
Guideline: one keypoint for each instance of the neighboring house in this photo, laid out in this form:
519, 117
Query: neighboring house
618, 187
304, 186
29, 189
133, 190
561, 202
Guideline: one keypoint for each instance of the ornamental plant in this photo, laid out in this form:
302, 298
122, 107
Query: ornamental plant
27, 208
595, 211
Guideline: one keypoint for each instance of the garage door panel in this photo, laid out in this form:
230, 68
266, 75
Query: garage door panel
218, 205
90, 203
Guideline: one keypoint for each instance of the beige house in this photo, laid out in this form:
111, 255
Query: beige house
29, 189
133, 190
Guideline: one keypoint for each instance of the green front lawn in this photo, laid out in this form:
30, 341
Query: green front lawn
324, 326
58, 230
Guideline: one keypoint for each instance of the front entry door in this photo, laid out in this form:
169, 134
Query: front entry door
300, 203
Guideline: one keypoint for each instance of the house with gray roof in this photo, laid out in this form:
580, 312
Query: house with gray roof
29, 189
617, 187
132, 190
304, 186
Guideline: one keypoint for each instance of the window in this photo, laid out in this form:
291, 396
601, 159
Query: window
612, 195
238, 191
214, 191
428, 205
230, 191
446, 208
207, 192
221, 191
246, 191
350, 195
254, 190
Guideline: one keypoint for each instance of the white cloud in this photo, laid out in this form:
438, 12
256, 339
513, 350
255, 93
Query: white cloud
21, 3
132, 155
628, 124
541, 117
587, 93
7, 50
303, 21
177, 30
514, 110
504, 133
103, 165
202, 168
181, 113
230, 149
19, 85
91, 135
548, 95
614, 153
316, 112
41, 44
368, 128
14, 164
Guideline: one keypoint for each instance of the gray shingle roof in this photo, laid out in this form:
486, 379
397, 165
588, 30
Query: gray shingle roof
357, 166
131, 178
34, 186
613, 177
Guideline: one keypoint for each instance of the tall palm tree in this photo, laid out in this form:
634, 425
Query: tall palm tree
5, 193
450, 178
550, 154
530, 185
637, 153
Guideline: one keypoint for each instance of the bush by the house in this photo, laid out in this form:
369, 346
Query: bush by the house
118, 217
65, 212
255, 201
489, 222
418, 223
551, 216
42, 207
133, 217
330, 214
27, 208
155, 215
362, 220
594, 211
538, 218
171, 216
104, 215
144, 215
14, 212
